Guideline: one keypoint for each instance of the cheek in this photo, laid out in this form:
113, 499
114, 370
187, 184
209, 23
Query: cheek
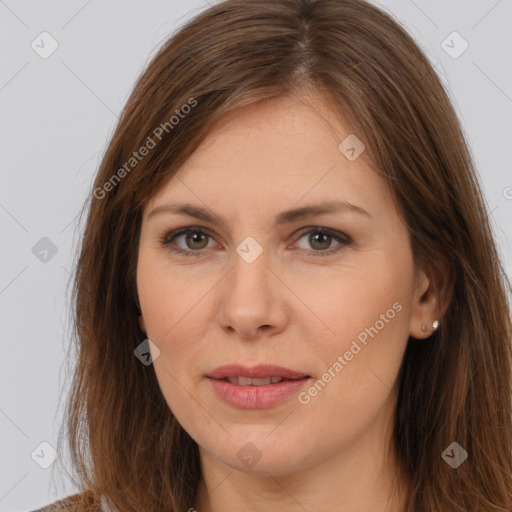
174, 321
168, 298
354, 301
359, 360
363, 332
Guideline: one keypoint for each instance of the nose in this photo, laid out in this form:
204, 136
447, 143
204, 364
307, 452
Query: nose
252, 301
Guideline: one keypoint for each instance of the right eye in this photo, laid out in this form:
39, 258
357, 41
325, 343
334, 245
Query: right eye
194, 239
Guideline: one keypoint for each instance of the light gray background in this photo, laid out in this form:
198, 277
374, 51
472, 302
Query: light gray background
56, 116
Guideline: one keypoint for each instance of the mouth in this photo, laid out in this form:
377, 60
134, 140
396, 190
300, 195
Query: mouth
241, 380
257, 387
260, 375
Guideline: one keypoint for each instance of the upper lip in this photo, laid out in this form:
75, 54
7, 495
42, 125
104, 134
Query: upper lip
261, 371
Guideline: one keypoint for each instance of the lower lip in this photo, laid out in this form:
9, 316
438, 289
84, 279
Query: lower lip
257, 397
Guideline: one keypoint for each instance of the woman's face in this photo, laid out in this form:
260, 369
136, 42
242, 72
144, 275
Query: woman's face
331, 296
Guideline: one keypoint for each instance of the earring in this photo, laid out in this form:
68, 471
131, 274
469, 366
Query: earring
435, 325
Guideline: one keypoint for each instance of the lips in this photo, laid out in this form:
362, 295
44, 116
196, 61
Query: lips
255, 375
256, 387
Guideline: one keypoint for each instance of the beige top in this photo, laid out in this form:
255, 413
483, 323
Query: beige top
106, 506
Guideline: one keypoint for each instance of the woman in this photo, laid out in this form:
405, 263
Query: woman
287, 293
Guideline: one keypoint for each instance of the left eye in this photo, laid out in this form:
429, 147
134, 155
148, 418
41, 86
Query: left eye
321, 239
197, 239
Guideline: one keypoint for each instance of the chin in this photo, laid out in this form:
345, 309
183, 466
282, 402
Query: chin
260, 454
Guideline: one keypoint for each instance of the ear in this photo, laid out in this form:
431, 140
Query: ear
431, 297
142, 324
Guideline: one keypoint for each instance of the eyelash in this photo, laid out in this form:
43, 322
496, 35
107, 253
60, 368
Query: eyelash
168, 238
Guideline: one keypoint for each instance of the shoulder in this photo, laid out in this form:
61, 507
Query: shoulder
81, 502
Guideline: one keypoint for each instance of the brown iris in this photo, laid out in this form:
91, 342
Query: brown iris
323, 239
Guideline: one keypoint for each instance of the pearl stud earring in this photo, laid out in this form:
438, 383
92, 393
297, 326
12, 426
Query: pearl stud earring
435, 325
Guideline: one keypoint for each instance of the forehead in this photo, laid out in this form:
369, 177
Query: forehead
278, 151
285, 129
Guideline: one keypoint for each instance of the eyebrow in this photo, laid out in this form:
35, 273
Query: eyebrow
285, 217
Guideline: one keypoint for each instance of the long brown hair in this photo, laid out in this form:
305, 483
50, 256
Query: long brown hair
124, 441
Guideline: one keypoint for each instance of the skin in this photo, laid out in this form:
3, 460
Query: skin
291, 307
